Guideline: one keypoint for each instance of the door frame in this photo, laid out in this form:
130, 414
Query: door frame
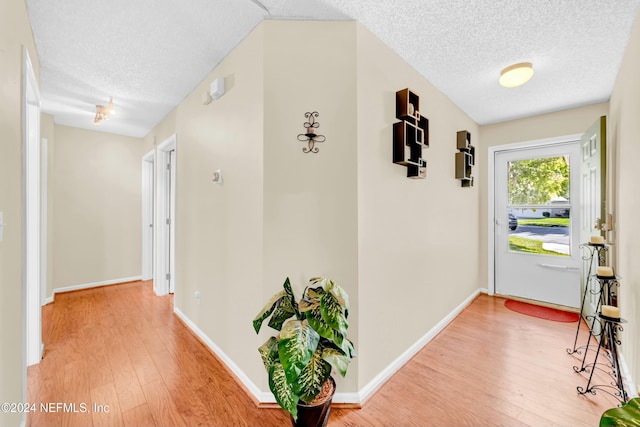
44, 174
148, 214
491, 186
164, 244
31, 220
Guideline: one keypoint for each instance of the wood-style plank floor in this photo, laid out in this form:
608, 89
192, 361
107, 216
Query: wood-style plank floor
121, 347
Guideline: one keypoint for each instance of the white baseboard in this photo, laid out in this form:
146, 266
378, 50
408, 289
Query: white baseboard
630, 386
368, 390
354, 398
259, 395
91, 285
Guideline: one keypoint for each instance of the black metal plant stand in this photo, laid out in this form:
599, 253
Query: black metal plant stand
608, 336
594, 251
606, 292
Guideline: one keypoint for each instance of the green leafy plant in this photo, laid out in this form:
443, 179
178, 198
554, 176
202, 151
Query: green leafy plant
312, 340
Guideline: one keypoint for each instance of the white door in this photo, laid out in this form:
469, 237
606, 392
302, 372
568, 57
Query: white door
593, 159
172, 213
148, 214
536, 224
165, 260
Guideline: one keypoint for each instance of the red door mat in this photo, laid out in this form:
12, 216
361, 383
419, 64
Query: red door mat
541, 312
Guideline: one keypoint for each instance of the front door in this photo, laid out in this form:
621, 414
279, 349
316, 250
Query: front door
593, 157
537, 232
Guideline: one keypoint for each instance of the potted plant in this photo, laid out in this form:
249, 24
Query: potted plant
312, 341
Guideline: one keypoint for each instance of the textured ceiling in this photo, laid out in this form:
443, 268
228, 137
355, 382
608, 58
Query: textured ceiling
150, 54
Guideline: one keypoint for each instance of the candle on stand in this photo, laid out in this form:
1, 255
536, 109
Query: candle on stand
311, 131
597, 240
610, 311
605, 272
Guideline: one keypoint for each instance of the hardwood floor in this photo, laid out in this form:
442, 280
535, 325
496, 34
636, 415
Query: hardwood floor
121, 347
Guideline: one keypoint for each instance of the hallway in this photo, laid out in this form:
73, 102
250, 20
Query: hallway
122, 349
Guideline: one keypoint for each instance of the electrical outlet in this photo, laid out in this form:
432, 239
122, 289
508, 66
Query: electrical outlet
197, 295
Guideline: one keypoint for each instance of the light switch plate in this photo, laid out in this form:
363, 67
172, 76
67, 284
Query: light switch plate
1, 225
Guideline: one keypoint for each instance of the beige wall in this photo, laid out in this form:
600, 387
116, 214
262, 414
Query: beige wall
561, 123
310, 200
624, 132
219, 230
346, 212
15, 32
162, 131
417, 239
96, 223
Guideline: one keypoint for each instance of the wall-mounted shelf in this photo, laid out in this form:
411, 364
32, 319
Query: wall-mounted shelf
410, 135
465, 159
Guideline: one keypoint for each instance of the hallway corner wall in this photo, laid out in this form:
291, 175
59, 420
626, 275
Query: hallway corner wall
417, 238
15, 34
624, 137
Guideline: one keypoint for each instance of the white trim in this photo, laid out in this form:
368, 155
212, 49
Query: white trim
250, 385
44, 154
368, 390
31, 214
94, 285
491, 153
357, 398
148, 214
32, 308
162, 241
630, 386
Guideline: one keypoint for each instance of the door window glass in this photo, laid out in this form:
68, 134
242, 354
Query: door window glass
539, 206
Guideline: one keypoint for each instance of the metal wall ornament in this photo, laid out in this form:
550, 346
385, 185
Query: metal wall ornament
310, 137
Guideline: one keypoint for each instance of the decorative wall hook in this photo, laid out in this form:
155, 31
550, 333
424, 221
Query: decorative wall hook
310, 136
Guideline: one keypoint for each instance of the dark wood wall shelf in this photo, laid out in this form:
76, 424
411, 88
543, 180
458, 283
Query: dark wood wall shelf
410, 135
465, 159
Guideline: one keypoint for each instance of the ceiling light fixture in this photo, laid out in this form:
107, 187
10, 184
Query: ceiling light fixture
103, 113
516, 75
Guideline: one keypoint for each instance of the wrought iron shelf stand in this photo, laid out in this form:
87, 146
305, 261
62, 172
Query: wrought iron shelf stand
605, 292
608, 334
594, 252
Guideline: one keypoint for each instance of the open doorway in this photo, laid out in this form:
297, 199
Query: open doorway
164, 277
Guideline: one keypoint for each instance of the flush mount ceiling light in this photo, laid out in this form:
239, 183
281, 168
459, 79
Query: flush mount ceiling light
103, 113
516, 75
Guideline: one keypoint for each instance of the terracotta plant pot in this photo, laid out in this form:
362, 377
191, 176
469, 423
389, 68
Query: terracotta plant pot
316, 415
